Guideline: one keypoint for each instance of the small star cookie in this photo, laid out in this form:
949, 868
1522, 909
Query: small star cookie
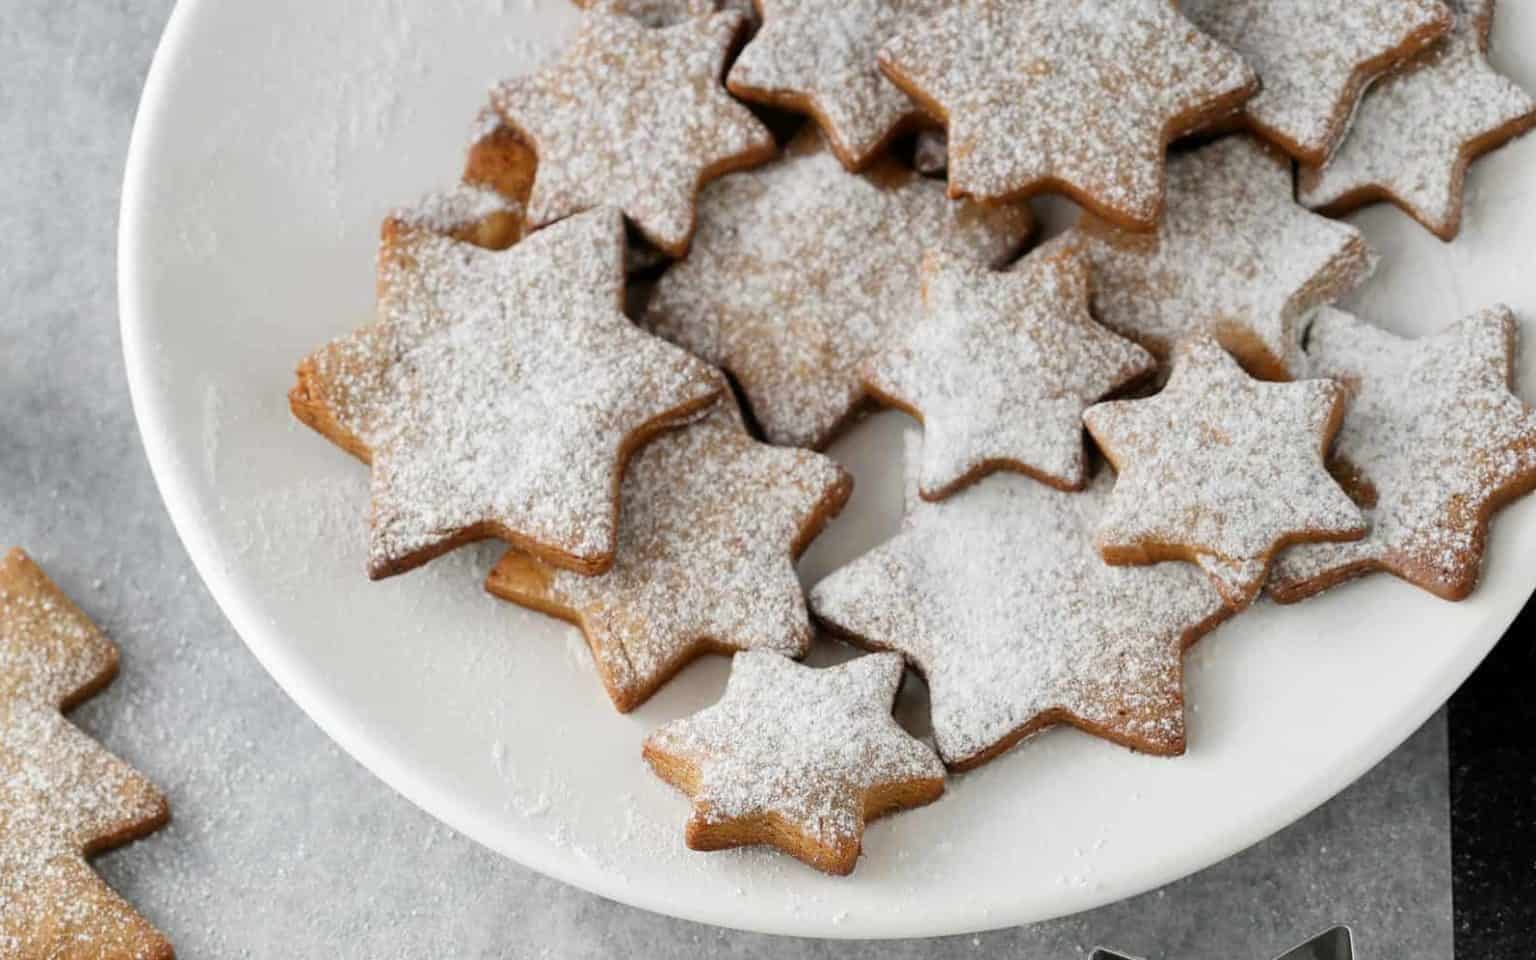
1000, 368
710, 525
634, 117
1235, 257
819, 58
999, 598
1419, 129
1316, 58
1221, 468
1080, 97
796, 758
63, 797
499, 394
801, 272
1433, 443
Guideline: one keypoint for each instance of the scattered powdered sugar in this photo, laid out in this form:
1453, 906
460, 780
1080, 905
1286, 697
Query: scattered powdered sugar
710, 523
500, 388
1083, 95
1234, 257
1001, 367
1000, 598
799, 743
800, 272
457, 208
1316, 58
1219, 463
634, 117
1432, 442
824, 55
1417, 128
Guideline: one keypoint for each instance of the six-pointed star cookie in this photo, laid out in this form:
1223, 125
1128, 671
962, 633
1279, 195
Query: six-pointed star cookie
819, 58
1316, 58
1081, 96
634, 117
62, 796
499, 394
710, 524
1418, 129
1432, 444
1221, 467
1235, 257
797, 758
1001, 367
801, 272
999, 598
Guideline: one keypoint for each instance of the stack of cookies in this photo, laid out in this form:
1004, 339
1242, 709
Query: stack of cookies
658, 290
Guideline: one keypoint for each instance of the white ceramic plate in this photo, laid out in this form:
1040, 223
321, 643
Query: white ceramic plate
271, 138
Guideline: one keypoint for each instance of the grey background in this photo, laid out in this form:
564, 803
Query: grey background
282, 845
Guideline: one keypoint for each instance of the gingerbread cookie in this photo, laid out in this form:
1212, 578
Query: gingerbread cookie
801, 272
1079, 97
999, 598
710, 525
1234, 257
667, 13
636, 118
1433, 443
63, 797
1418, 130
1223, 467
796, 758
499, 394
1000, 368
1316, 58
819, 58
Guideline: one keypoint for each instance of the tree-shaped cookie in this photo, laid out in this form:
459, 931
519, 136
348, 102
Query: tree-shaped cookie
62, 796
1433, 443
796, 758
499, 394
710, 525
1222, 470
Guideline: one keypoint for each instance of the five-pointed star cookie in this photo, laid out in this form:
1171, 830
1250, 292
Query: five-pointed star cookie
1433, 442
819, 58
62, 796
1234, 257
797, 758
1221, 467
654, 13
710, 524
1080, 96
1418, 129
999, 598
801, 272
499, 394
1000, 368
1316, 58
634, 117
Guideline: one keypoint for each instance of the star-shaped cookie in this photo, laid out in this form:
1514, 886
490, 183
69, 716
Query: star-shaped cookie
666, 13
1235, 257
1418, 130
62, 796
999, 598
1433, 443
1000, 368
796, 758
1222, 470
1081, 97
499, 394
1316, 58
710, 525
801, 272
819, 58
634, 117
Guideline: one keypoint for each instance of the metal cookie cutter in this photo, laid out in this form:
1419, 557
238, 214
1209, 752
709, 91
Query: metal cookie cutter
1335, 943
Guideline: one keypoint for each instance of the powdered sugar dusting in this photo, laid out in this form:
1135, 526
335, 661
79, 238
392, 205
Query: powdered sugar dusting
455, 209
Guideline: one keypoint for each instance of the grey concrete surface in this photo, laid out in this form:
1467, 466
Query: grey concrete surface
283, 846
